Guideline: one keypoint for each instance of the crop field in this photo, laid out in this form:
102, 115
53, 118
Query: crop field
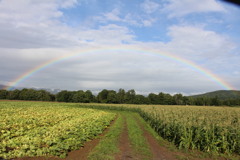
38, 129
41, 129
209, 129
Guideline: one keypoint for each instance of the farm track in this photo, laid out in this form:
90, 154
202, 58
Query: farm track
158, 152
124, 145
126, 150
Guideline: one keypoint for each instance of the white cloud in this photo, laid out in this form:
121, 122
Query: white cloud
197, 42
181, 8
32, 34
108, 35
68, 3
28, 12
130, 19
113, 15
34, 24
205, 48
26, 24
148, 22
115, 69
149, 6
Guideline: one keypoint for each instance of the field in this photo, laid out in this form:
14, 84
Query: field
35, 129
41, 129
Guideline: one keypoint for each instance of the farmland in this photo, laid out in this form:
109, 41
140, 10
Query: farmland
209, 129
33, 129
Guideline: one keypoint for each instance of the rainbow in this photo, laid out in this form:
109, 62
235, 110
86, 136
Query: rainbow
163, 54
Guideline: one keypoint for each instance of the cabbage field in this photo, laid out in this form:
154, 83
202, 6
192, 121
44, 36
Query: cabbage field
39, 129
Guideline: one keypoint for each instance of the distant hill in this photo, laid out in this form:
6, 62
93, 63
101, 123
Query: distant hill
2, 86
221, 94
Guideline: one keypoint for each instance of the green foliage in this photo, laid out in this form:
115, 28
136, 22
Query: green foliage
222, 94
3, 94
232, 98
13, 95
102, 96
108, 146
64, 96
137, 139
209, 129
27, 94
206, 129
121, 95
47, 129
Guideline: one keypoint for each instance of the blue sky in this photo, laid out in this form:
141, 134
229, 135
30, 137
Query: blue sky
205, 33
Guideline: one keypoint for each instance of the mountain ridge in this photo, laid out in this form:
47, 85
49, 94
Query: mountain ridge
220, 94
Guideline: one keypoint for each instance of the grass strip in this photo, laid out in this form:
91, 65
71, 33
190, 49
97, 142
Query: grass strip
108, 146
137, 139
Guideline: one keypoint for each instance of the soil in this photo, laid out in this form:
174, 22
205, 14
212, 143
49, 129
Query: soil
124, 145
158, 152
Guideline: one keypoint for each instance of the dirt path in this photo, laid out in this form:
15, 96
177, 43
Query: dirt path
125, 147
159, 152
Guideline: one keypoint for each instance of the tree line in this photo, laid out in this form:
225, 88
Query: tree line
110, 96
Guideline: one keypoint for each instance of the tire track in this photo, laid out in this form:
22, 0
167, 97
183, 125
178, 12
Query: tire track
124, 145
158, 152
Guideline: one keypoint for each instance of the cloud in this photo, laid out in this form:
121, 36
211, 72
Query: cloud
31, 24
68, 3
198, 42
119, 17
185, 7
113, 15
25, 13
205, 48
110, 34
150, 6
33, 33
113, 70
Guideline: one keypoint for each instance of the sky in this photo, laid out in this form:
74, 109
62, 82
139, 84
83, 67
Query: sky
186, 46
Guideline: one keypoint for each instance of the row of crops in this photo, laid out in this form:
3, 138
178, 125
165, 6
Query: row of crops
40, 129
209, 129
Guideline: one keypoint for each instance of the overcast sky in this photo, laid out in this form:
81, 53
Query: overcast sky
205, 33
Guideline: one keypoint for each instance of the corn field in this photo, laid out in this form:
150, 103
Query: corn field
210, 129
205, 128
